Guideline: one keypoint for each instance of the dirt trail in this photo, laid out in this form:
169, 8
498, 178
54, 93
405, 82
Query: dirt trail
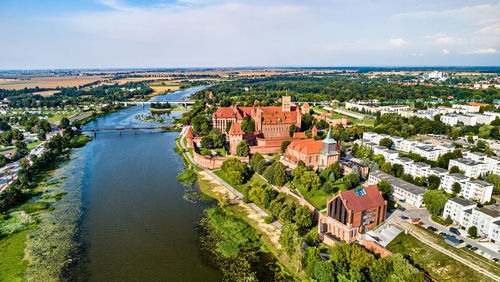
270, 230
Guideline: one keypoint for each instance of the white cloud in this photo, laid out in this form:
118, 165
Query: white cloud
482, 51
398, 42
446, 51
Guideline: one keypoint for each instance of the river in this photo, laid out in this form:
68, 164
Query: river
133, 223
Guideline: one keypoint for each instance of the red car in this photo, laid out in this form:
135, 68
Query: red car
421, 223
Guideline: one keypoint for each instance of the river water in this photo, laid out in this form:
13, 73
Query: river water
133, 222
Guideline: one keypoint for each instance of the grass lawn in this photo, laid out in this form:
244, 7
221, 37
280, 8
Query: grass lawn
318, 198
32, 145
12, 265
55, 118
255, 179
437, 264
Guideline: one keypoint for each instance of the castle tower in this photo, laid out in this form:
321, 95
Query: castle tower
286, 103
235, 137
305, 108
314, 131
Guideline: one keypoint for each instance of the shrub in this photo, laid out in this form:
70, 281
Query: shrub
269, 219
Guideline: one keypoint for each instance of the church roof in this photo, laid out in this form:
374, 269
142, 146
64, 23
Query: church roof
236, 129
306, 146
299, 135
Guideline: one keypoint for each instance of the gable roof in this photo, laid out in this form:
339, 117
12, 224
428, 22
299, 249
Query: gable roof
357, 200
306, 146
236, 129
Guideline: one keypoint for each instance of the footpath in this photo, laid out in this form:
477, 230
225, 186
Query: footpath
255, 213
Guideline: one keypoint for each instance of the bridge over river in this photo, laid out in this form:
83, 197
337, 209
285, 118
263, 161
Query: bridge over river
135, 129
183, 102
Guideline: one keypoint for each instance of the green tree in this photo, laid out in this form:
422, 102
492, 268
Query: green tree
495, 180
41, 136
247, 125
64, 123
472, 231
456, 188
435, 200
384, 186
386, 142
243, 150
228, 126
433, 182
324, 271
284, 145
336, 170
303, 217
448, 220
286, 214
293, 129
398, 170
310, 180
454, 169
290, 240
387, 168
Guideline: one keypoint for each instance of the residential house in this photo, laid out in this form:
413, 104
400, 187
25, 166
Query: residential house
401, 189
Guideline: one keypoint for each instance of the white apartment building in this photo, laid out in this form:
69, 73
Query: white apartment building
486, 220
468, 108
448, 180
418, 169
492, 164
405, 162
455, 208
467, 119
477, 190
437, 171
449, 119
408, 145
470, 167
428, 151
401, 189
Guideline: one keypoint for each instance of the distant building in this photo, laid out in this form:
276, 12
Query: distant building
470, 167
351, 212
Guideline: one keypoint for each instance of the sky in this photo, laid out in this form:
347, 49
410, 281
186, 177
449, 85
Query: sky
247, 33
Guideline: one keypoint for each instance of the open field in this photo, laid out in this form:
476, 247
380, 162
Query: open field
47, 81
47, 93
437, 264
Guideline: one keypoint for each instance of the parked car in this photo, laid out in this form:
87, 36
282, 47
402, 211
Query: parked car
404, 217
468, 246
442, 233
432, 228
473, 249
454, 231
461, 241
495, 259
421, 223
401, 208
402, 201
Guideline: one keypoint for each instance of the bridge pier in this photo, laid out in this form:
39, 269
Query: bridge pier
95, 134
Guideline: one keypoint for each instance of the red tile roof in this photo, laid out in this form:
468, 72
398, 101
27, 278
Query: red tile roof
236, 129
306, 146
279, 117
478, 104
371, 199
189, 133
301, 135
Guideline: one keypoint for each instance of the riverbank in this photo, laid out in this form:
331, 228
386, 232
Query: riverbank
269, 234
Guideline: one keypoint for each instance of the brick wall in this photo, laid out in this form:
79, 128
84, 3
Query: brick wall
209, 162
375, 248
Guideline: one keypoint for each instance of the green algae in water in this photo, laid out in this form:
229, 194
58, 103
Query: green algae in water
51, 246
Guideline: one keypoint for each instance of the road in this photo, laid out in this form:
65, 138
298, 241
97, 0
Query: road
9, 171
